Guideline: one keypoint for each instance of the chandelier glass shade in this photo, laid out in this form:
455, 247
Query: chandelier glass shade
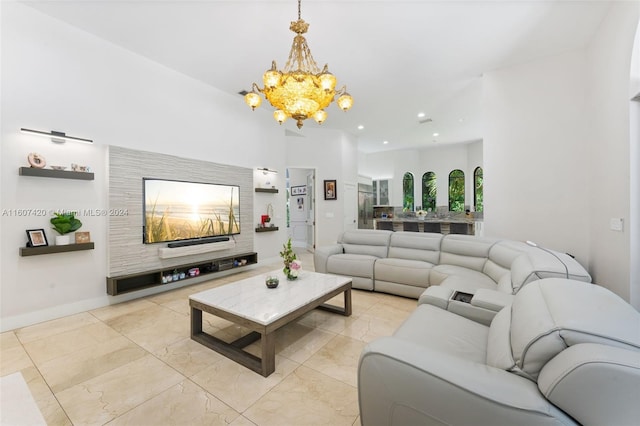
301, 90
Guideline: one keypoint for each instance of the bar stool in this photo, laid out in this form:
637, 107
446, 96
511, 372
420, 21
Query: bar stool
410, 226
458, 228
433, 227
387, 226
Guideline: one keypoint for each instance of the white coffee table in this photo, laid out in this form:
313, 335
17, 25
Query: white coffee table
249, 303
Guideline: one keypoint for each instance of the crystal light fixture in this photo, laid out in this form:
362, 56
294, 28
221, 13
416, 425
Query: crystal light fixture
301, 90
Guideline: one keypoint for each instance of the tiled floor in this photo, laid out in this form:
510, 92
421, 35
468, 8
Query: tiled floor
134, 364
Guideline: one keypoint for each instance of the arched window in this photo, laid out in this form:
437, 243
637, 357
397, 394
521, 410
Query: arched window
429, 191
407, 192
478, 192
456, 191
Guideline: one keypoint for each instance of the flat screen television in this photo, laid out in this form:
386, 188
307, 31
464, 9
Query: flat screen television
177, 210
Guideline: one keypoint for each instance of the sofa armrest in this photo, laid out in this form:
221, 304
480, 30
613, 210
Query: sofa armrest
482, 307
437, 296
400, 383
322, 254
491, 299
579, 378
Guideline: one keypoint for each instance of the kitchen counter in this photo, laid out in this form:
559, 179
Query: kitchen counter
445, 223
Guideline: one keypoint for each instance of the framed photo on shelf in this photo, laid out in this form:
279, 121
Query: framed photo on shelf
330, 190
37, 238
298, 190
83, 237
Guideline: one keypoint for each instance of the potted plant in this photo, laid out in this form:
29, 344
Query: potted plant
63, 224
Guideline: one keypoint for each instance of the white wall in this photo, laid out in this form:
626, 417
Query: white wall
438, 159
608, 87
536, 164
57, 77
556, 150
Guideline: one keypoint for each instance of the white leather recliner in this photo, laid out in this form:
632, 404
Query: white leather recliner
565, 352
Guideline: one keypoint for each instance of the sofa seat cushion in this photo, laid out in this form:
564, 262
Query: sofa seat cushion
447, 332
354, 265
460, 278
403, 271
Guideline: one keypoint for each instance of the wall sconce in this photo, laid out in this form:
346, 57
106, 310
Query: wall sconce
265, 170
57, 137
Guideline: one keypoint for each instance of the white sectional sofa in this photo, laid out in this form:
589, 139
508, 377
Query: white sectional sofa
444, 270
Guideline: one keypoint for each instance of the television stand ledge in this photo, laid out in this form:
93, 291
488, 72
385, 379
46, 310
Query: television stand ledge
153, 278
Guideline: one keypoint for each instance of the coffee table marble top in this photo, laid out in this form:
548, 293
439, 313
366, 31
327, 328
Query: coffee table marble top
251, 299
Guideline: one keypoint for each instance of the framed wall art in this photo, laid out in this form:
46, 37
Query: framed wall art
37, 238
330, 190
83, 237
298, 190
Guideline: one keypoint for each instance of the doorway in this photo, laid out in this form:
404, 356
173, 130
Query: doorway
301, 221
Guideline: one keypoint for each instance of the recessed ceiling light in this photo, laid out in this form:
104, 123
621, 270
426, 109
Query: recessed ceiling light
461, 120
421, 114
385, 142
360, 127
436, 135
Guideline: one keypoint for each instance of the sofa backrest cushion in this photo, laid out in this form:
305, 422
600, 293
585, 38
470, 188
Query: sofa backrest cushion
371, 242
501, 256
537, 263
465, 250
415, 246
550, 315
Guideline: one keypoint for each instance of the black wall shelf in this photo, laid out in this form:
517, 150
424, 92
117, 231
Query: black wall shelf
141, 280
271, 190
59, 174
267, 229
34, 251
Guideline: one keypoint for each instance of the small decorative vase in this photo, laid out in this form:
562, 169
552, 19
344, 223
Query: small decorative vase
272, 282
62, 240
289, 275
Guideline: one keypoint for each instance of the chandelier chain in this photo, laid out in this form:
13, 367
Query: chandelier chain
299, 2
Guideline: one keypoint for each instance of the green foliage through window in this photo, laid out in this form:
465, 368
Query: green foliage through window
456, 191
478, 190
429, 191
407, 192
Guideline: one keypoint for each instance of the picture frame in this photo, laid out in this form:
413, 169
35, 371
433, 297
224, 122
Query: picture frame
299, 190
83, 237
330, 190
37, 238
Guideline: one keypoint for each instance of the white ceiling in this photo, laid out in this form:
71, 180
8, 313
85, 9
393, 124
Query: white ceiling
397, 58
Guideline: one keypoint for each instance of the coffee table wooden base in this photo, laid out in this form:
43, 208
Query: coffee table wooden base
265, 333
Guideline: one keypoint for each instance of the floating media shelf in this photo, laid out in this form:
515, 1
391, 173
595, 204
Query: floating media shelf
271, 190
268, 229
34, 251
59, 174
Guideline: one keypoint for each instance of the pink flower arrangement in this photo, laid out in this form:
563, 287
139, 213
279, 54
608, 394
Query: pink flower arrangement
295, 267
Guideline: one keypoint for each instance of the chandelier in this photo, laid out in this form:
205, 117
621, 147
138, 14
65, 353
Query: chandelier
301, 90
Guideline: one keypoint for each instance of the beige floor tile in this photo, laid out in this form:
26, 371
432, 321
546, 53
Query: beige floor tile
367, 328
110, 312
242, 421
384, 310
182, 404
57, 345
77, 367
141, 318
180, 306
324, 320
306, 397
9, 340
188, 356
298, 343
237, 386
47, 403
163, 331
112, 394
13, 357
338, 359
54, 327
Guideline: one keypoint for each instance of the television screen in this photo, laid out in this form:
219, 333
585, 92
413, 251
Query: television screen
177, 210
